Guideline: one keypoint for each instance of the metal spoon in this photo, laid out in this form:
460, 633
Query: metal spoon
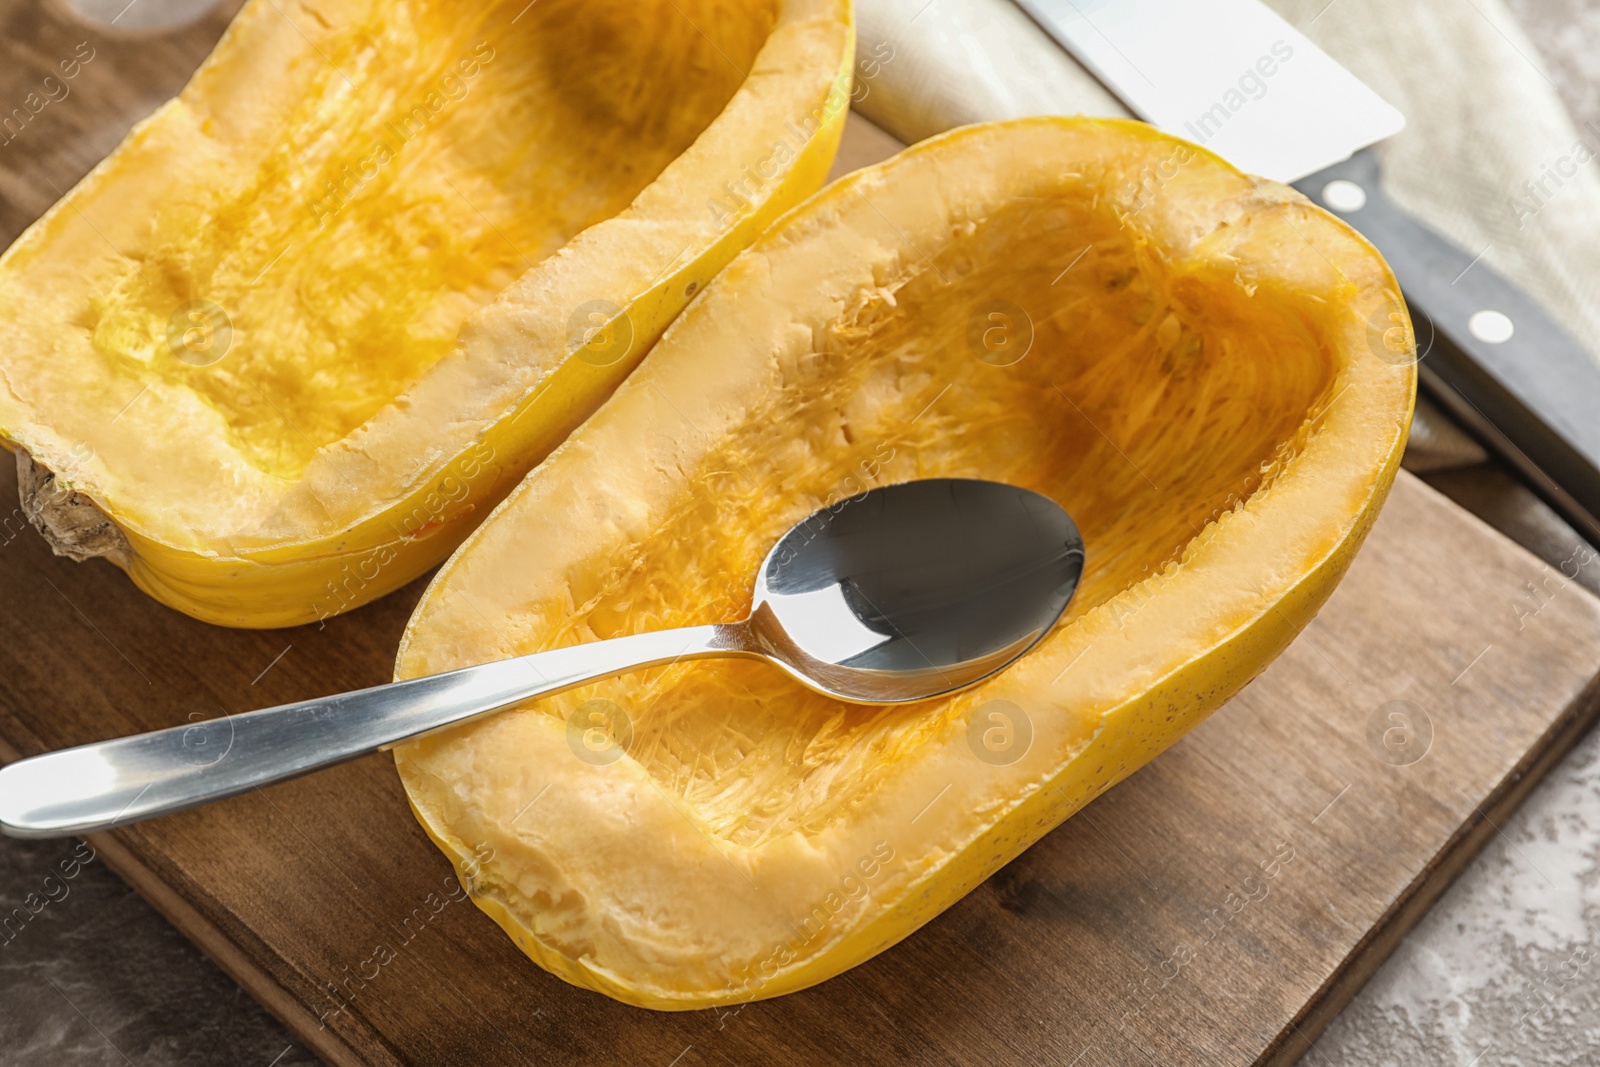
904, 593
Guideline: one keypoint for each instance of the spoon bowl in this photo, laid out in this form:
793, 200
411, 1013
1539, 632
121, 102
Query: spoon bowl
904, 593
914, 590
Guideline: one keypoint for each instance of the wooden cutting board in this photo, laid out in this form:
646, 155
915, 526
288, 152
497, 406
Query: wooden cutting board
1218, 907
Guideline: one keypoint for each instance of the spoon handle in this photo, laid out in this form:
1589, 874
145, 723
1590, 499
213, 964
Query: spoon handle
113, 783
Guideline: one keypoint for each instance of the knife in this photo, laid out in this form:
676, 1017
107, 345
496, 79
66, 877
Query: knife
1236, 78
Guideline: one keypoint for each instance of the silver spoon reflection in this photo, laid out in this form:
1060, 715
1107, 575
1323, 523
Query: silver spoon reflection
904, 593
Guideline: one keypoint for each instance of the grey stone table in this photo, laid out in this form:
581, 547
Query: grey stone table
1503, 972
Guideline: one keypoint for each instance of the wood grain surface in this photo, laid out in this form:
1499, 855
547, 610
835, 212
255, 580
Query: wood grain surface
1218, 907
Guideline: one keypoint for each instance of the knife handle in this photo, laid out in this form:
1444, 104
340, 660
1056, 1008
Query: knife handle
1488, 354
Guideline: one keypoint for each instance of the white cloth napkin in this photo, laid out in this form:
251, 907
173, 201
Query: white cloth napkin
1489, 157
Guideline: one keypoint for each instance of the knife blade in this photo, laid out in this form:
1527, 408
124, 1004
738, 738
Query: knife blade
1236, 78
1230, 75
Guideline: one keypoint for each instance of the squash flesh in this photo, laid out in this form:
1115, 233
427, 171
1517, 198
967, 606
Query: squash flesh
383, 227
377, 199
897, 392
1199, 394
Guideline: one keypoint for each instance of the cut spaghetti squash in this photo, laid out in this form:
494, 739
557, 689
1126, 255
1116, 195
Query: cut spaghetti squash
291, 341
1211, 374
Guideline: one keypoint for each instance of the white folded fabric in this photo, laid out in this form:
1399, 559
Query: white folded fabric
1489, 157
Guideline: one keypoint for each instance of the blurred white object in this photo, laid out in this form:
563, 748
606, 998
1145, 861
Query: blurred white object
953, 62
